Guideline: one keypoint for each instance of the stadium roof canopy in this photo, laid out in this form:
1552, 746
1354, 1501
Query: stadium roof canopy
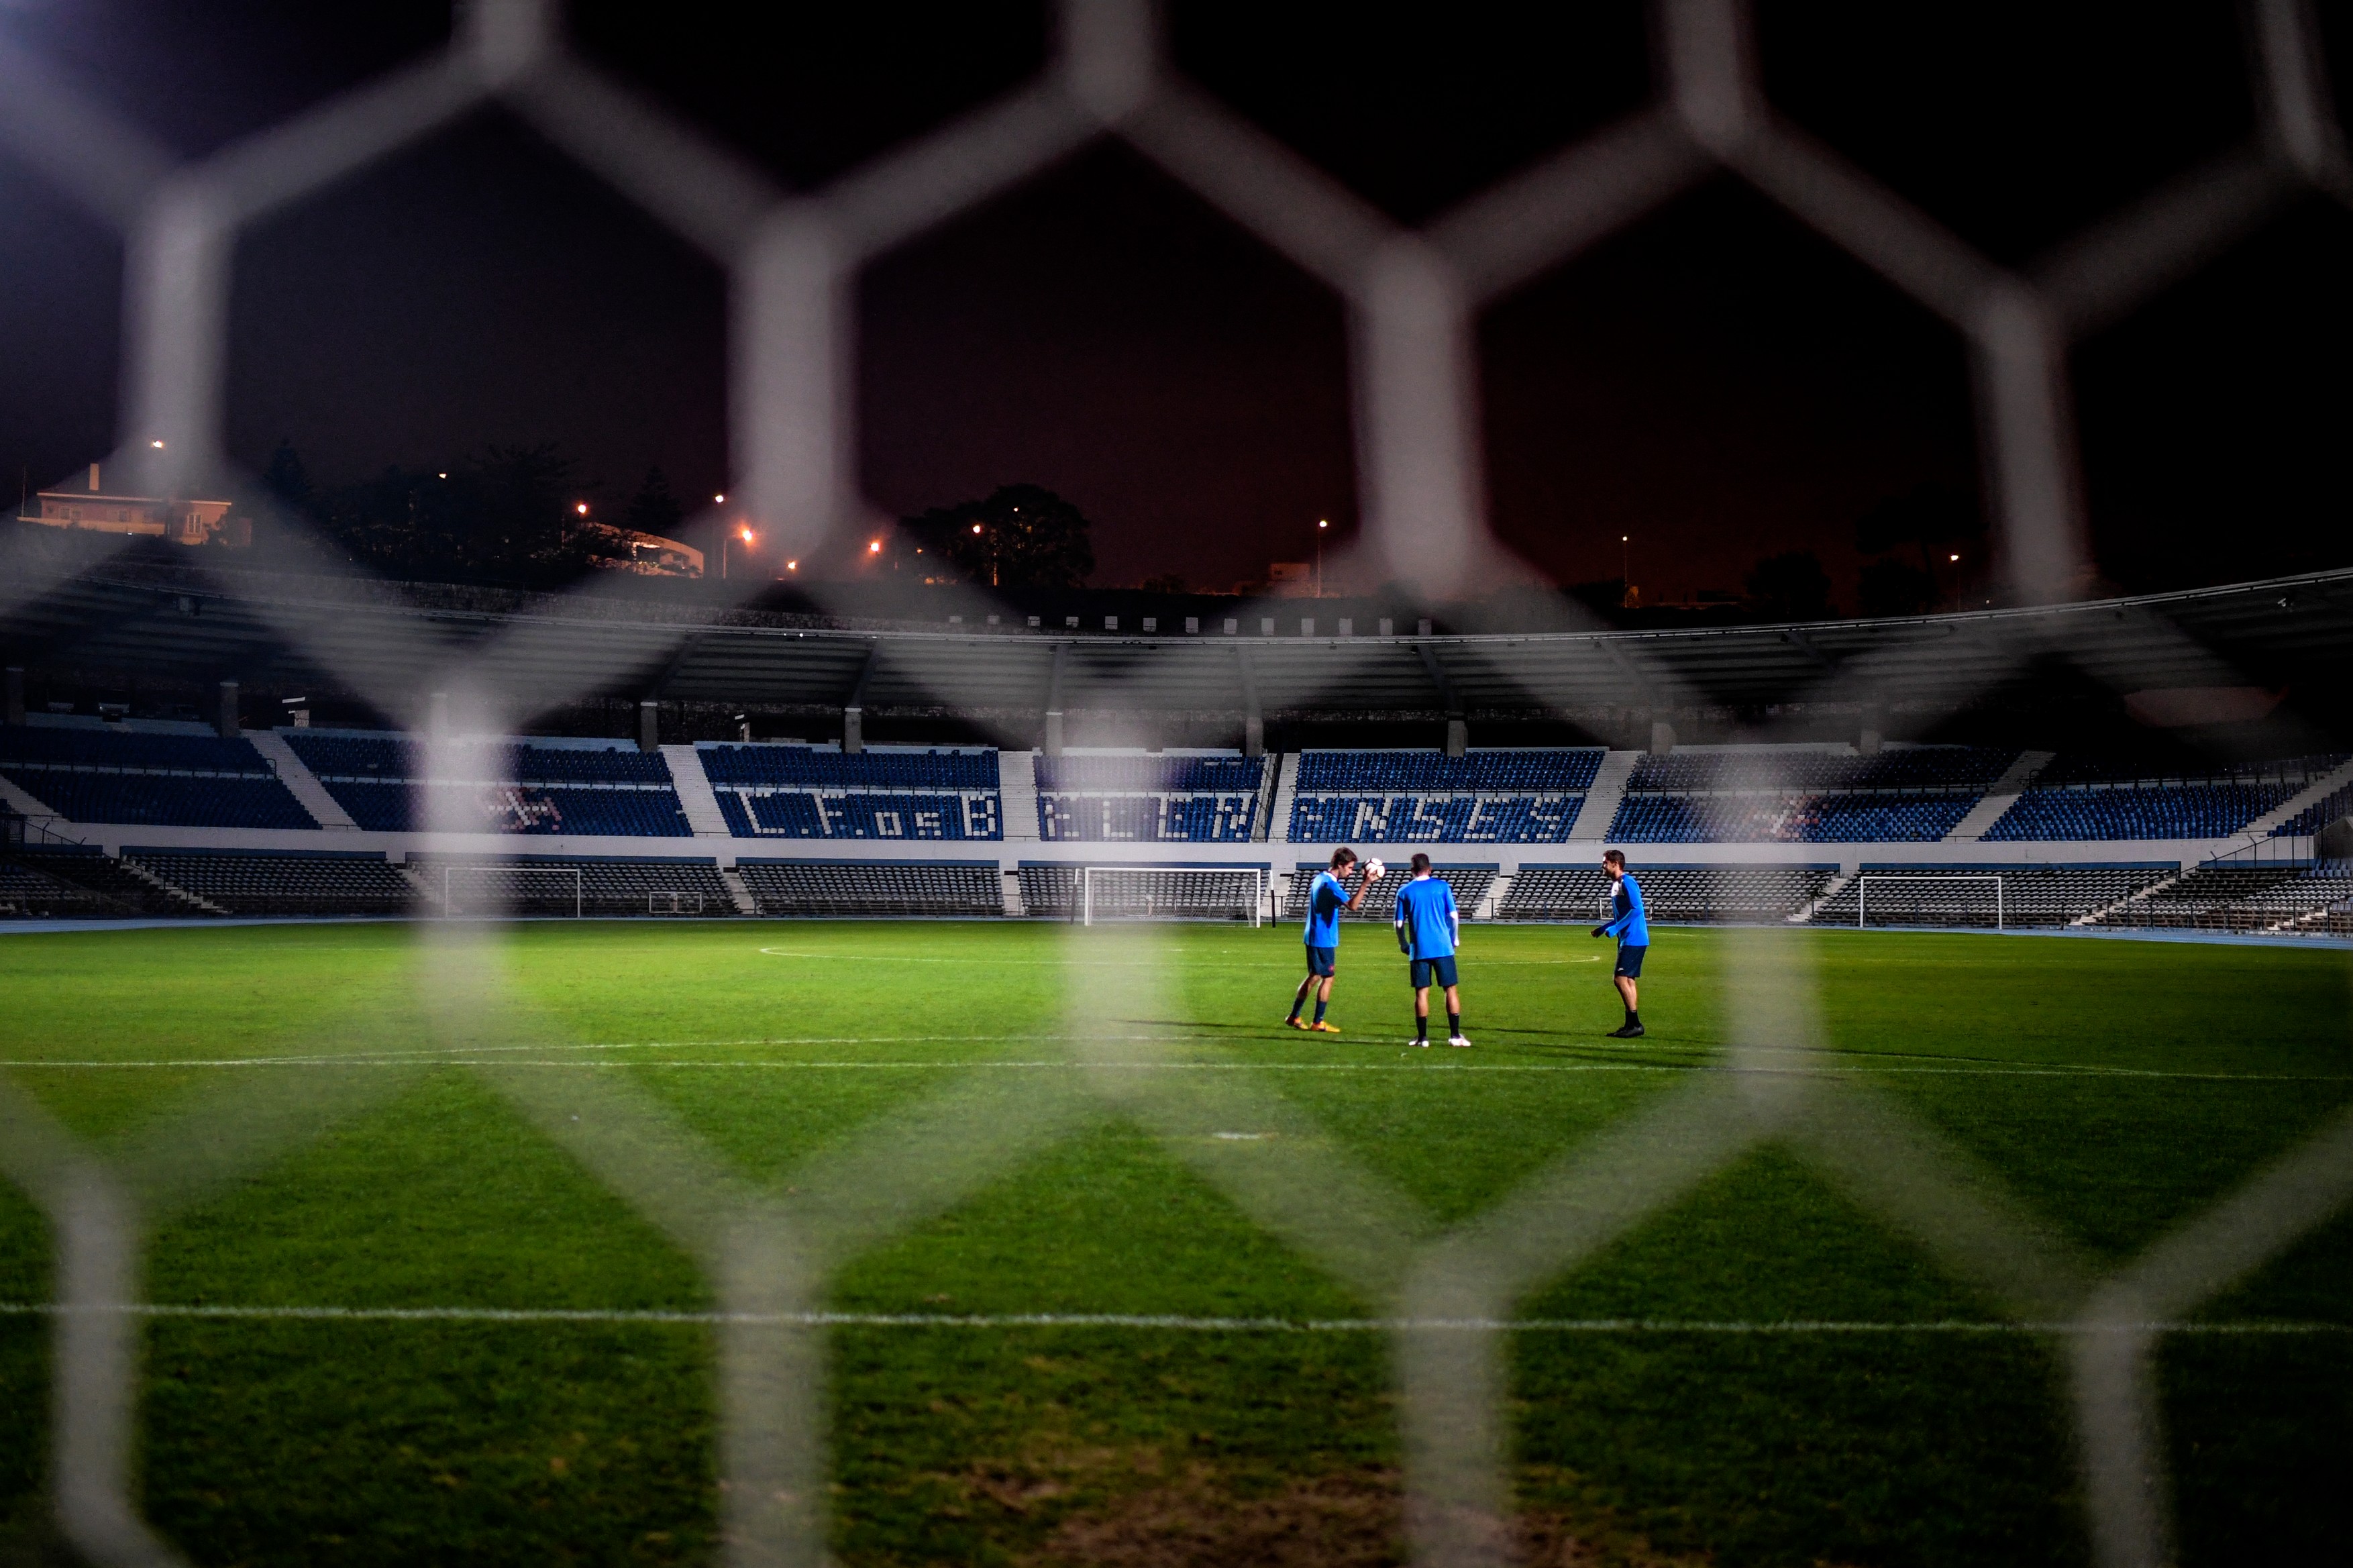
365, 636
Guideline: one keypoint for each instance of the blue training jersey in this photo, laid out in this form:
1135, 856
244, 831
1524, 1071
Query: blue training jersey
1631, 927
1426, 917
1326, 896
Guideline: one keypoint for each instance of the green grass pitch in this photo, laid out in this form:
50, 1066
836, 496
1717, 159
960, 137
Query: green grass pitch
418, 1185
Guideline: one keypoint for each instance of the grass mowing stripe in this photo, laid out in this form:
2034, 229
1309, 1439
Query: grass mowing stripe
1161, 1320
431, 1060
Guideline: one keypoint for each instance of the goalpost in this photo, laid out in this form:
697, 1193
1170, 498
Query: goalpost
1171, 892
1862, 893
659, 903
503, 888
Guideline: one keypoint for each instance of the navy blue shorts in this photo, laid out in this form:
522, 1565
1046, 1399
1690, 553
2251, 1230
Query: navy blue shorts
1424, 968
1629, 959
1322, 960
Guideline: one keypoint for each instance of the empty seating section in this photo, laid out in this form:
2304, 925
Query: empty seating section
497, 787
2097, 767
1915, 794
2138, 811
1471, 884
800, 792
27, 893
1783, 818
1960, 895
2330, 807
283, 884
1673, 894
1160, 892
1200, 800
558, 885
2241, 897
881, 887
1428, 797
172, 781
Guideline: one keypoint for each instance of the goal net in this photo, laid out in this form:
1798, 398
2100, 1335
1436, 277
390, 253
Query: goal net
490, 891
659, 903
1893, 900
1171, 893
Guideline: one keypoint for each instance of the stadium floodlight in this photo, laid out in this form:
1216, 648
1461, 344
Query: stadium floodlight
1863, 884
1172, 893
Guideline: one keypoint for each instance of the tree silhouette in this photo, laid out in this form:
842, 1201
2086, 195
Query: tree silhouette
1022, 536
1792, 586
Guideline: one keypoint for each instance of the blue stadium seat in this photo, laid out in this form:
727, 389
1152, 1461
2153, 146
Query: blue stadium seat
800, 792
175, 781
513, 786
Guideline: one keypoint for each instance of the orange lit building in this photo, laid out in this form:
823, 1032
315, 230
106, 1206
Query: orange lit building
180, 520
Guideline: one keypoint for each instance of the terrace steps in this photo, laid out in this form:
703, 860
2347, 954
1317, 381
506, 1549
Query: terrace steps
1999, 797
301, 782
1286, 789
1602, 797
169, 890
1017, 791
695, 796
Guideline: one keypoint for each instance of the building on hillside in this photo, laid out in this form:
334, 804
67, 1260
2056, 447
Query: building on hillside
646, 554
180, 520
1290, 579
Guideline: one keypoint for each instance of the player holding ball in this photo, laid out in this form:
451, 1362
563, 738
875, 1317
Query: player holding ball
1326, 900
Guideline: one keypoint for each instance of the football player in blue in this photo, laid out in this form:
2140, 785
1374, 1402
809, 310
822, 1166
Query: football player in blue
1632, 930
1429, 928
1326, 898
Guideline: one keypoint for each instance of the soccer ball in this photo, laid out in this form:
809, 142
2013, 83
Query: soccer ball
1373, 869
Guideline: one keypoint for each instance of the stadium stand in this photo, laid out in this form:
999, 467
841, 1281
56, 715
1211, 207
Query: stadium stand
512, 787
2240, 897
1670, 894
1428, 797
285, 882
155, 780
768, 791
1202, 892
2031, 895
2332, 807
2083, 796
27, 893
1756, 795
121, 887
1471, 885
547, 885
876, 888
1178, 799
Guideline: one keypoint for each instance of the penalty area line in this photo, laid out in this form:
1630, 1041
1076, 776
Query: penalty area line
1148, 1321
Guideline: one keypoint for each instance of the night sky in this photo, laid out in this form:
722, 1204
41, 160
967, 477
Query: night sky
1716, 381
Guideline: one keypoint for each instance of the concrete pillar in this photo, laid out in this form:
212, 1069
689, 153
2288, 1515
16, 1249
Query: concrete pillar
227, 723
1253, 735
1458, 737
1053, 731
853, 730
436, 715
1874, 733
1662, 737
648, 725
15, 694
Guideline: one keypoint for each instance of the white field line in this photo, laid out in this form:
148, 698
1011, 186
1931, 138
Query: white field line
1161, 1321
479, 1056
1064, 960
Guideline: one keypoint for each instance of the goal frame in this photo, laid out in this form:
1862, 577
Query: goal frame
1260, 883
1863, 880
579, 884
677, 901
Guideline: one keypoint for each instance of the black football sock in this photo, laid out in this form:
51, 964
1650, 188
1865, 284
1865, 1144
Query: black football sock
1453, 1025
1296, 1004
1319, 1010
1421, 1025
1633, 1020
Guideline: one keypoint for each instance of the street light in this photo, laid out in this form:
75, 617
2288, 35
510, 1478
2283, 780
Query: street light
741, 533
580, 507
719, 501
1321, 524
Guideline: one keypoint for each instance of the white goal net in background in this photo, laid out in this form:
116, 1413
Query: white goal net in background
1444, 1289
1171, 893
1959, 898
